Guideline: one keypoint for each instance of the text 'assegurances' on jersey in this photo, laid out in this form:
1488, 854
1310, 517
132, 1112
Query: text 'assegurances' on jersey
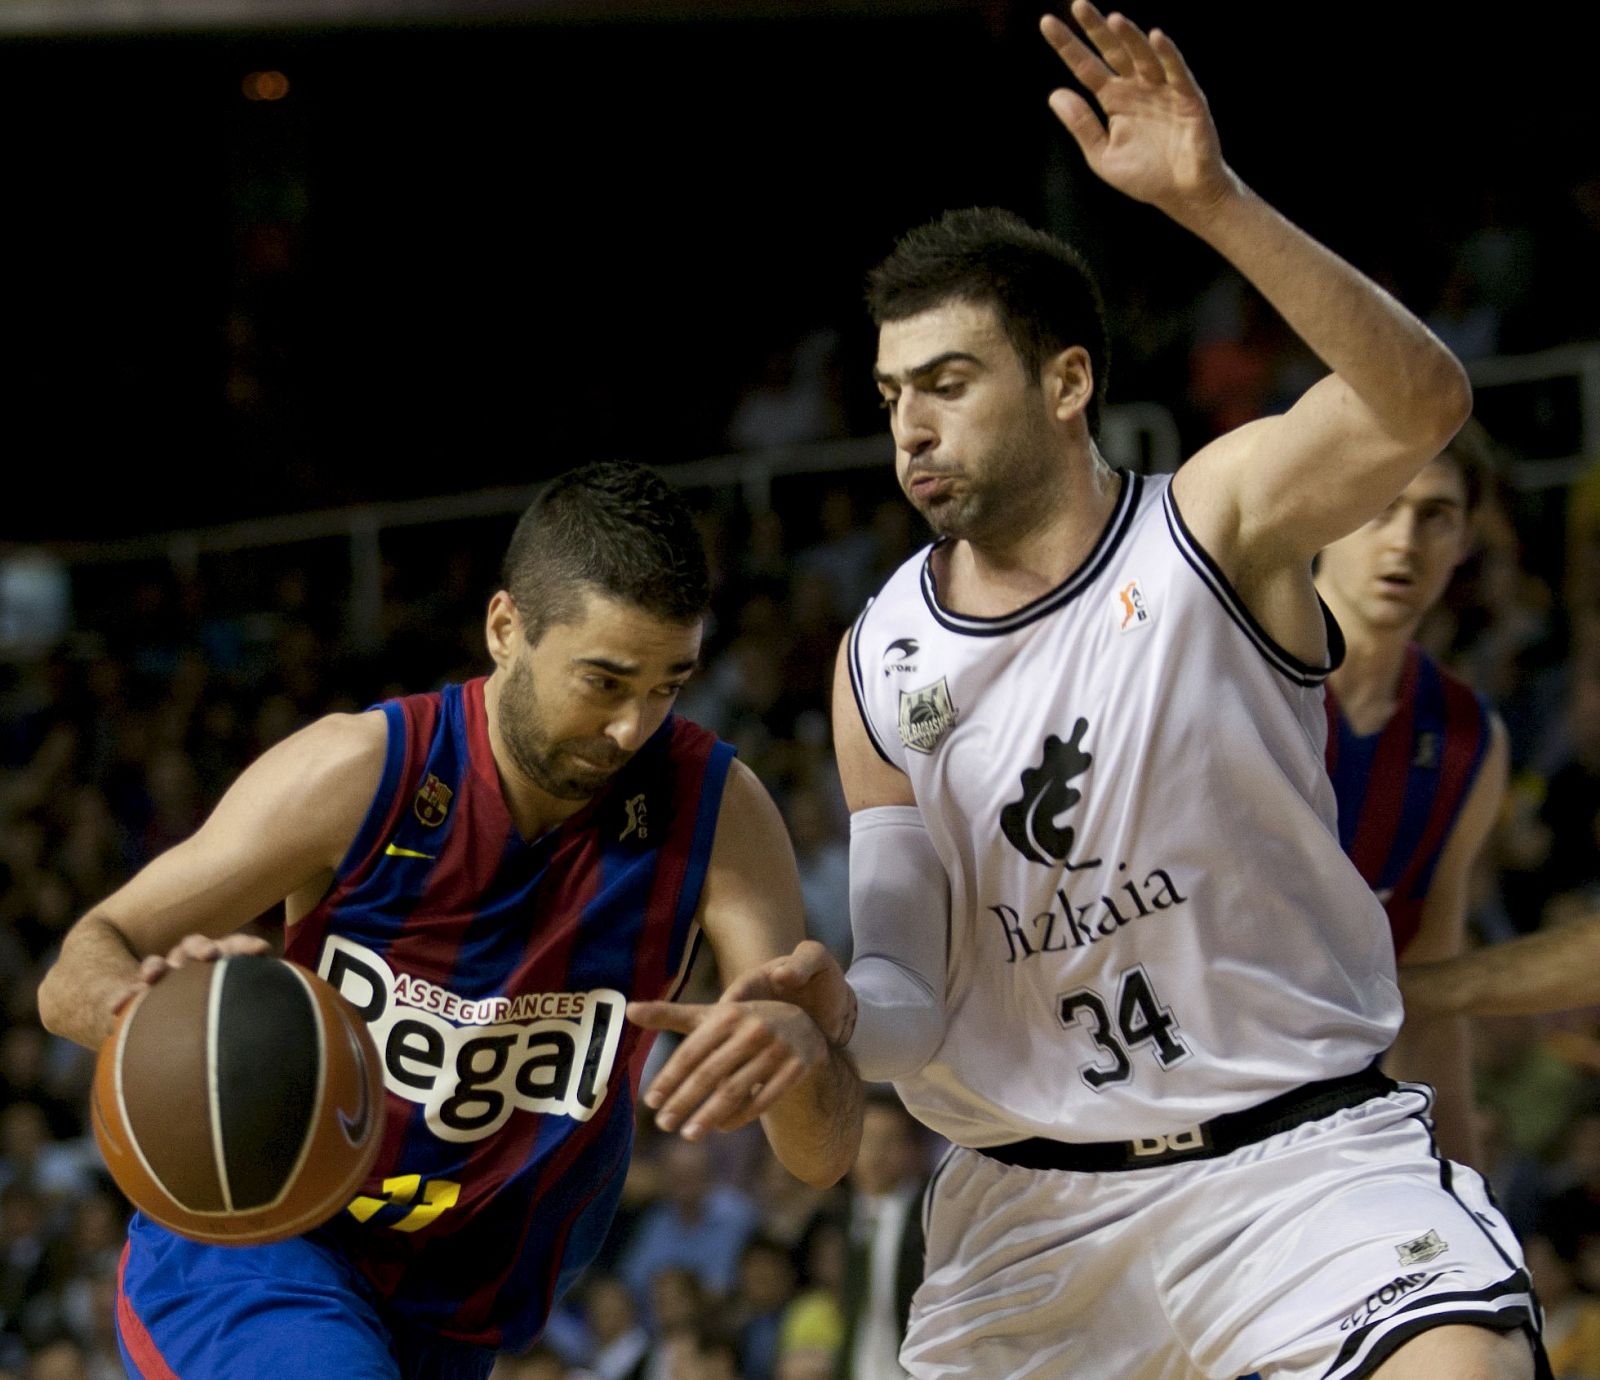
471, 1063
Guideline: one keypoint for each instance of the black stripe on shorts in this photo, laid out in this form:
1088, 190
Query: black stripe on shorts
1502, 1307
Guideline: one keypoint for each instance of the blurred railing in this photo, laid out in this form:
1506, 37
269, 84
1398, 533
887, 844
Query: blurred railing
1544, 408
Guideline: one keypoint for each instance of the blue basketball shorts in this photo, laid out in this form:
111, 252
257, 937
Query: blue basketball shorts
188, 1311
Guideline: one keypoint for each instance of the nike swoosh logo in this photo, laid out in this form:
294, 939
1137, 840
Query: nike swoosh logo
355, 1127
394, 850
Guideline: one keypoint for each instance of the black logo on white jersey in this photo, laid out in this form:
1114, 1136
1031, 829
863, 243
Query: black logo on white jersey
897, 655
1031, 823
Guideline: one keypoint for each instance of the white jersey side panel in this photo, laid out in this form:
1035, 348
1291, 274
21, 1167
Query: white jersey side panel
1152, 922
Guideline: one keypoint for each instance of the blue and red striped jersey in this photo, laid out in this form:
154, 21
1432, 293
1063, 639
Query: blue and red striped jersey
493, 972
1401, 789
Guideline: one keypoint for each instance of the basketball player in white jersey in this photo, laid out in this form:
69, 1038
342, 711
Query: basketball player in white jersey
1107, 943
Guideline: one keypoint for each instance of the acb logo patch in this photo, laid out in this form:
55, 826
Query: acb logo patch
433, 801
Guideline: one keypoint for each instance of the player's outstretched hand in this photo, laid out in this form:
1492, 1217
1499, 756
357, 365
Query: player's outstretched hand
1158, 143
192, 948
737, 1058
811, 978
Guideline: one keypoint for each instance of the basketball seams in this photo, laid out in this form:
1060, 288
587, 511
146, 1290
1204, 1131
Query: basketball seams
231, 1225
214, 1092
314, 1121
123, 1027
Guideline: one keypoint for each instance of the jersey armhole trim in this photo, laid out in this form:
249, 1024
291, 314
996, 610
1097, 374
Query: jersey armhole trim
376, 824
858, 685
1284, 662
708, 808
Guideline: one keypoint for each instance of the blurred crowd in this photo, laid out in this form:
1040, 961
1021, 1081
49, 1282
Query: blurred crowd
120, 728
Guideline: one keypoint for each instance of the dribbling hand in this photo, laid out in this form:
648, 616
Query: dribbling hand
192, 948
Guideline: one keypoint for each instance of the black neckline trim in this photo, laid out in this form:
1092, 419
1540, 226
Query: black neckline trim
1111, 536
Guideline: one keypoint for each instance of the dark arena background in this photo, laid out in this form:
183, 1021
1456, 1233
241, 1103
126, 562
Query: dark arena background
303, 298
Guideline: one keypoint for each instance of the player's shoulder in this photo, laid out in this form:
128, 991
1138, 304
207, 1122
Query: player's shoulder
347, 734
900, 598
335, 748
749, 817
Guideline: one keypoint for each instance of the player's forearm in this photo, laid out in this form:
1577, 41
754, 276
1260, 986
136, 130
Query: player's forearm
899, 1021
1407, 379
1556, 971
95, 967
899, 920
815, 1129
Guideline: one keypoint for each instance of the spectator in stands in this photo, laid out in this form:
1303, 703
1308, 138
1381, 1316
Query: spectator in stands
698, 1225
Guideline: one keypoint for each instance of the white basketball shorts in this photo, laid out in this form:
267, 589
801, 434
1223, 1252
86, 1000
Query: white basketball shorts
1311, 1254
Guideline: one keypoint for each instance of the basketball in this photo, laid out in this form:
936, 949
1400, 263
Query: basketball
238, 1102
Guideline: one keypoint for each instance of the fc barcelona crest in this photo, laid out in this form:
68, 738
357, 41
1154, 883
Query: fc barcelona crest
433, 801
926, 715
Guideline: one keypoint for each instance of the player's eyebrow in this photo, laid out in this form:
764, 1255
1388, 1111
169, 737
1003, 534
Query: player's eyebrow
626, 669
922, 370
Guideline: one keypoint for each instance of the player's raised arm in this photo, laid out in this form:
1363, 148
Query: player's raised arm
281, 828
1280, 489
744, 1058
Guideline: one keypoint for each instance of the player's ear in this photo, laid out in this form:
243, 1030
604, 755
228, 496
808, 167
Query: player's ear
1069, 383
502, 628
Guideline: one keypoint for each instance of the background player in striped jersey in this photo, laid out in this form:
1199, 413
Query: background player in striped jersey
1106, 940
1418, 760
489, 873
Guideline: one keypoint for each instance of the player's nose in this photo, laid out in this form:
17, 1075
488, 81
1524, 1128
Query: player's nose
628, 727
1401, 532
914, 430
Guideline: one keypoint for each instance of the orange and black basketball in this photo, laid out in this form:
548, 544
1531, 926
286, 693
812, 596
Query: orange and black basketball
239, 1101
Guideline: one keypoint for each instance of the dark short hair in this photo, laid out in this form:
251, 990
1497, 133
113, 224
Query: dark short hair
615, 528
1039, 286
1472, 452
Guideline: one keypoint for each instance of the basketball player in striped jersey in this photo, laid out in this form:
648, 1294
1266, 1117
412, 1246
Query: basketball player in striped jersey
1106, 941
494, 875
1418, 760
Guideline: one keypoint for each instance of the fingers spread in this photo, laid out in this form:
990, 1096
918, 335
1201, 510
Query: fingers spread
744, 1094
1082, 61
682, 1017
722, 1045
1140, 53
1081, 122
736, 1064
1172, 63
1104, 37
192, 948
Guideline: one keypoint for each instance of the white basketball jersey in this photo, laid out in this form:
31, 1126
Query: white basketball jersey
1152, 922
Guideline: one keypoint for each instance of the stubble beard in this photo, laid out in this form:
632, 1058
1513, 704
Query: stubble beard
1003, 498
531, 749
